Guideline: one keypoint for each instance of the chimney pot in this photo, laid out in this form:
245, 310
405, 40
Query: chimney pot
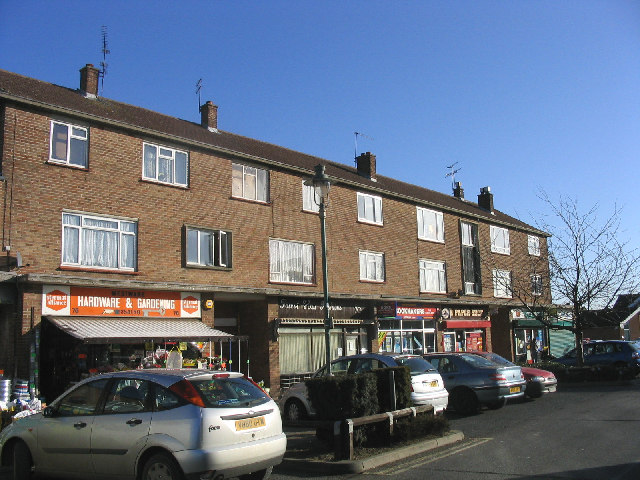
366, 165
89, 80
485, 199
458, 191
209, 116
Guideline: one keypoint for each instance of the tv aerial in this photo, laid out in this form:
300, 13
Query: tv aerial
198, 88
452, 173
105, 51
355, 156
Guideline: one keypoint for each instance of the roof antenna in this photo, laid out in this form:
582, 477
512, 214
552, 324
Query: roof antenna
355, 156
452, 174
105, 52
198, 88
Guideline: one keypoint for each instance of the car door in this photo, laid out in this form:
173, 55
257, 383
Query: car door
121, 429
447, 369
64, 435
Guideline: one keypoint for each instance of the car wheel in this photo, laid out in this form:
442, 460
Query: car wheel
294, 410
497, 404
161, 467
465, 401
259, 475
22, 463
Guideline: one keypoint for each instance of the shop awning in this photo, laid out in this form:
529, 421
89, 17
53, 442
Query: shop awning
468, 323
137, 330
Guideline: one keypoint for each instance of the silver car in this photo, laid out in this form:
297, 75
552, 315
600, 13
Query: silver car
474, 381
426, 382
150, 424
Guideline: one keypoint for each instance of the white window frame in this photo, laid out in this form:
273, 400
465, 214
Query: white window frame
297, 268
533, 245
166, 155
76, 229
369, 208
372, 268
250, 183
500, 240
219, 251
75, 134
536, 285
436, 271
502, 284
430, 225
309, 198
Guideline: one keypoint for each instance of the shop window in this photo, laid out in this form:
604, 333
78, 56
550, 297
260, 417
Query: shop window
69, 144
208, 248
165, 165
500, 240
430, 225
99, 242
470, 258
433, 276
369, 208
291, 262
250, 183
371, 266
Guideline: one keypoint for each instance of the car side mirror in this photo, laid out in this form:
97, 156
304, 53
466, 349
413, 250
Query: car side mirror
49, 412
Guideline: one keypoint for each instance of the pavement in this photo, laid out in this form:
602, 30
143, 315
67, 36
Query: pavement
306, 453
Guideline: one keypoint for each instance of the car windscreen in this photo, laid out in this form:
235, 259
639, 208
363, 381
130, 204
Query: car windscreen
229, 392
495, 358
417, 365
478, 361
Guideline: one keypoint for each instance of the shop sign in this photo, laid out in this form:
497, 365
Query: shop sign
406, 311
313, 308
107, 302
466, 313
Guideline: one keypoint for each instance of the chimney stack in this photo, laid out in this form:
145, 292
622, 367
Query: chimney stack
485, 199
458, 191
89, 80
209, 116
366, 165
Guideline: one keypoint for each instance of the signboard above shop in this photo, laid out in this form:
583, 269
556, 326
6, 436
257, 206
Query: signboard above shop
406, 311
112, 302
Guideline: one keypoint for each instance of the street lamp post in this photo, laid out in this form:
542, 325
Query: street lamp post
321, 186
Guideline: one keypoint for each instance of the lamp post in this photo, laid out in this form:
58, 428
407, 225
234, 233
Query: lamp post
321, 186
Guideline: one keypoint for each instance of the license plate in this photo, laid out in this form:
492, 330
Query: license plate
434, 383
249, 423
514, 390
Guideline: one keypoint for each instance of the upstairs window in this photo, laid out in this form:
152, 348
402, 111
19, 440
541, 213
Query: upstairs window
502, 284
433, 276
291, 262
430, 225
69, 144
99, 242
536, 285
309, 199
533, 244
208, 248
369, 208
250, 183
165, 165
500, 240
471, 275
371, 266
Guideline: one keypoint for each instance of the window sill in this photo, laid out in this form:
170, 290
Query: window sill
67, 165
271, 282
156, 182
373, 224
248, 200
506, 254
375, 282
207, 267
96, 270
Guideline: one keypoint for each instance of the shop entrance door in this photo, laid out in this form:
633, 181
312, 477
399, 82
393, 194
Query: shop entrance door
351, 344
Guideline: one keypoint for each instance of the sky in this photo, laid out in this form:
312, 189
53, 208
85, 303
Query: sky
521, 96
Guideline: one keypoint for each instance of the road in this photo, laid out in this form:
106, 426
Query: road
576, 433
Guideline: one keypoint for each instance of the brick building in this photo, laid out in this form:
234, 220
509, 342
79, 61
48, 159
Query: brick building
121, 225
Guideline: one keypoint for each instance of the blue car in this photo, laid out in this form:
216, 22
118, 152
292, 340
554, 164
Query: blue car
619, 353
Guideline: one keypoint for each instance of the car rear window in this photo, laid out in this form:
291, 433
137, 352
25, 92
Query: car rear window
417, 365
229, 392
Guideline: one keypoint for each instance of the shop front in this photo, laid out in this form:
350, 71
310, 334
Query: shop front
464, 329
299, 330
530, 337
406, 328
85, 331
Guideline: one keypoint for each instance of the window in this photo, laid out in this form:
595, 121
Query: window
430, 225
534, 245
433, 277
369, 208
502, 284
250, 183
500, 240
470, 258
371, 266
291, 262
99, 242
208, 248
308, 199
536, 284
165, 165
83, 400
68, 144
127, 396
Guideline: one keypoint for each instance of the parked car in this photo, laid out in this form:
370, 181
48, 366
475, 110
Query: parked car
538, 381
474, 381
426, 382
150, 424
619, 353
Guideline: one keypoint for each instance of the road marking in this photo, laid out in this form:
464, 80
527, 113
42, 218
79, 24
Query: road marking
421, 461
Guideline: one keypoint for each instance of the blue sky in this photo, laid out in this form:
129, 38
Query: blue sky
523, 95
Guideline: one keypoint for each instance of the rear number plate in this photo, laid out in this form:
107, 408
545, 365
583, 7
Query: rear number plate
434, 383
249, 423
514, 390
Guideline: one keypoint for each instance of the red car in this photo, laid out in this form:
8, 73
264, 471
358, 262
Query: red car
538, 381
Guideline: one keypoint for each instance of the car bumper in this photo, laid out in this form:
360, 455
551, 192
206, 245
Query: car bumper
491, 394
438, 400
233, 460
